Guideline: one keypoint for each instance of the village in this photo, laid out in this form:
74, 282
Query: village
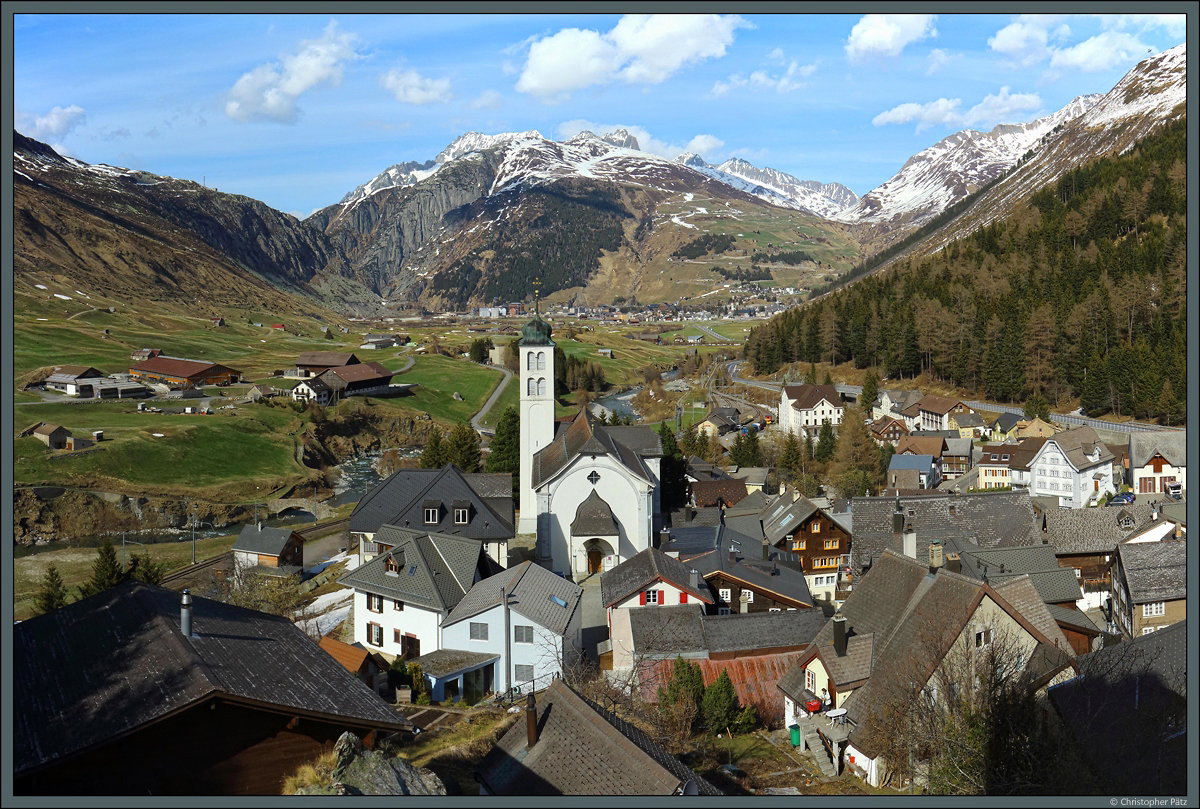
630, 589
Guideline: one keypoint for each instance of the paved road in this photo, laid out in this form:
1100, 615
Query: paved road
491, 401
709, 331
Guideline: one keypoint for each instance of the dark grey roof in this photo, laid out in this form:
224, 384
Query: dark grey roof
760, 630
582, 750
594, 518
783, 518
754, 502
490, 484
129, 665
1072, 617
1171, 444
261, 539
1090, 530
642, 570
399, 500
1006, 421
986, 519
1054, 583
1155, 571
761, 576
920, 462
692, 539
667, 630
690, 515
435, 570
627, 445
316, 384
443, 662
531, 591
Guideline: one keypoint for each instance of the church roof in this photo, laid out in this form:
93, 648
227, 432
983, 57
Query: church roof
535, 333
626, 445
594, 518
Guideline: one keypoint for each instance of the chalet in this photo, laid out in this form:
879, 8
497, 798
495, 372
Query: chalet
176, 372
53, 435
648, 579
970, 425
934, 412
820, 543
1149, 584
311, 363
1073, 466
892, 403
804, 408
1004, 427
542, 611
889, 430
1157, 459
74, 380
271, 551
248, 695
357, 380
568, 745
719, 421
956, 458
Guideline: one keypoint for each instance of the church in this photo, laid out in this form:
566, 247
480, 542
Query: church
590, 492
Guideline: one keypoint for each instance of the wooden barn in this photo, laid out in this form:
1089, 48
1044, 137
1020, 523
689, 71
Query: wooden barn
141, 691
183, 373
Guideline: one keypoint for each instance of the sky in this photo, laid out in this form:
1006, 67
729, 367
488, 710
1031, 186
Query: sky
298, 110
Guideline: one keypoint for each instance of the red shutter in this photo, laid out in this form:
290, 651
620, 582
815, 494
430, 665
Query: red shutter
642, 598
683, 598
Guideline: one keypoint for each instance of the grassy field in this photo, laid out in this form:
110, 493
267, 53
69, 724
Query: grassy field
439, 379
75, 565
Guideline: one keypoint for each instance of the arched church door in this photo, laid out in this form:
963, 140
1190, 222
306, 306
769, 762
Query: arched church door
595, 558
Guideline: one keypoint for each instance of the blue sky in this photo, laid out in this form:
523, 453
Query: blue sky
297, 110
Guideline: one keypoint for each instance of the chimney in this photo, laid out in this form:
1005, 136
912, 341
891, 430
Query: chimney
185, 614
774, 569
1178, 531
935, 555
897, 519
732, 556
1154, 513
664, 536
531, 729
954, 563
839, 635
909, 539
694, 579
951, 509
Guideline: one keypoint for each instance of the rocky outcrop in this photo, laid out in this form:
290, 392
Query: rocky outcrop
371, 772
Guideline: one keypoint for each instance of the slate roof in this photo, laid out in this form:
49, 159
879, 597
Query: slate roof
129, 666
921, 445
582, 750
1074, 618
530, 588
716, 492
958, 446
1171, 444
782, 518
443, 662
971, 420
1155, 571
594, 517
848, 671
401, 496
986, 519
261, 539
919, 462
1005, 422
764, 577
1055, 584
806, 396
435, 570
692, 539
684, 629
1076, 444
642, 570
627, 445
1024, 453
901, 399
1088, 530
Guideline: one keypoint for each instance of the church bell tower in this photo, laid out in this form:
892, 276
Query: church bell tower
535, 350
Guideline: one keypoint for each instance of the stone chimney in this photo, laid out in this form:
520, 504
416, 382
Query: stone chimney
935, 555
185, 614
954, 563
1178, 531
909, 538
531, 728
897, 518
839, 635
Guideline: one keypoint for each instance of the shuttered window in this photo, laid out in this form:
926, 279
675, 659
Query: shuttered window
479, 631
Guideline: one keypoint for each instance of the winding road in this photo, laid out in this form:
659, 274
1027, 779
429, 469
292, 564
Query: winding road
491, 400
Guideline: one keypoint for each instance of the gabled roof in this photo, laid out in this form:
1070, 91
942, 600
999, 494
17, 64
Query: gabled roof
921, 445
932, 403
316, 384
400, 498
174, 366
1077, 443
900, 399
752, 572
626, 445
1053, 583
358, 372
806, 396
582, 749
783, 518
1005, 422
958, 447
717, 492
971, 419
328, 358
642, 570
532, 591
434, 571
264, 540
918, 462
351, 657
1155, 571
1024, 453
49, 429
1171, 444
684, 629
74, 371
130, 666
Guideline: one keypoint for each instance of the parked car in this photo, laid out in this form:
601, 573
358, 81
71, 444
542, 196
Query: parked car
1122, 499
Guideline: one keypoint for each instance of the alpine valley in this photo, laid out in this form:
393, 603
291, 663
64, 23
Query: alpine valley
595, 218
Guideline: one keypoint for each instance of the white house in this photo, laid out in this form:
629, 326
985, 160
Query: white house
1157, 459
525, 623
1073, 466
402, 595
803, 408
312, 390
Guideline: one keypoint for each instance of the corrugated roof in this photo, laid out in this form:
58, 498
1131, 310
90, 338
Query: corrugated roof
754, 678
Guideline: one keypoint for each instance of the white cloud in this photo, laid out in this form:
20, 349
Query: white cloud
938, 59
488, 99
1102, 51
942, 111
410, 87
1174, 24
704, 145
878, 35
57, 123
1024, 41
1003, 107
269, 92
640, 49
777, 56
783, 82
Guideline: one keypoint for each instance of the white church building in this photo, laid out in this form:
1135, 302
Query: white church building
589, 492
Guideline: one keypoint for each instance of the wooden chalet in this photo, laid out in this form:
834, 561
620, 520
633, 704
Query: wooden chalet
178, 372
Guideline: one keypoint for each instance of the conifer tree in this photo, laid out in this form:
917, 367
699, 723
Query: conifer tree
789, 456
434, 454
505, 455
462, 448
870, 390
719, 706
53, 593
674, 469
106, 571
826, 442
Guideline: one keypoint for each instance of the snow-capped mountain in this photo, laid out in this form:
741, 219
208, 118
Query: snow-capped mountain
957, 165
775, 187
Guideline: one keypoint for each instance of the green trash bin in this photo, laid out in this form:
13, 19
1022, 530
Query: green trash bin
794, 730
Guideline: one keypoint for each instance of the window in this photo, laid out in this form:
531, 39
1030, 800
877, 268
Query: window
522, 634
748, 596
431, 516
1146, 630
374, 603
983, 638
810, 681
798, 545
397, 604
390, 566
775, 609
541, 361
652, 596
725, 594
1079, 573
722, 610
1153, 610
396, 636
530, 362
541, 387
374, 634
831, 544
523, 674
816, 526
461, 516
479, 631
531, 387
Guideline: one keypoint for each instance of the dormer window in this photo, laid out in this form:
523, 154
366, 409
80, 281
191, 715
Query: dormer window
462, 512
390, 566
431, 516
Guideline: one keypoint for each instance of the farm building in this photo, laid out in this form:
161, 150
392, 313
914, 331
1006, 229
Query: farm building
178, 372
74, 380
361, 379
53, 435
314, 362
